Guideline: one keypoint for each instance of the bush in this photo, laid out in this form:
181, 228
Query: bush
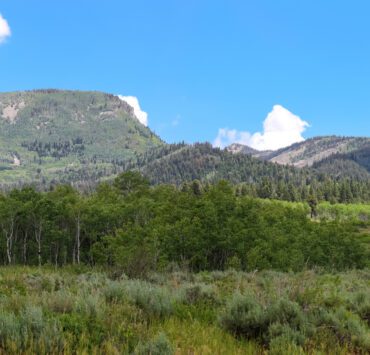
113, 291
360, 304
286, 332
285, 311
347, 327
9, 329
244, 316
89, 305
32, 321
158, 346
29, 327
154, 300
197, 292
60, 302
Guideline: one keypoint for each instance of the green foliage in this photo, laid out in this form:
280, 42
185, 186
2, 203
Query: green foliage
136, 229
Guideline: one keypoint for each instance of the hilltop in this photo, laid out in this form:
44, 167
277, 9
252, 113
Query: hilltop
67, 136
336, 156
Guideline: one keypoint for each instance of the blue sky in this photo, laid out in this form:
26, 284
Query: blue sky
197, 66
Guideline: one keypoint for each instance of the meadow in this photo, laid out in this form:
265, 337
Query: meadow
93, 311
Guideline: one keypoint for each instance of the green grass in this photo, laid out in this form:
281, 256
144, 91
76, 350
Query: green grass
91, 311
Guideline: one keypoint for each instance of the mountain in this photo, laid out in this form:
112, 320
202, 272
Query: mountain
316, 149
355, 163
67, 136
244, 149
176, 164
59, 136
337, 156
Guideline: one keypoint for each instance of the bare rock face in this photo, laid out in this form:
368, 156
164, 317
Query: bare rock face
10, 112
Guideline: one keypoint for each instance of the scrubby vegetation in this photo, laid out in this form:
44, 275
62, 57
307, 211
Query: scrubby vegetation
84, 310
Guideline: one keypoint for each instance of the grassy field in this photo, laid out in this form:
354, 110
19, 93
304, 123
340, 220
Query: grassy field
88, 311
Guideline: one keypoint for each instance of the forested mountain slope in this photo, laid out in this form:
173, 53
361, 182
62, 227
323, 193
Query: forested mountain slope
53, 135
203, 162
355, 164
316, 149
336, 156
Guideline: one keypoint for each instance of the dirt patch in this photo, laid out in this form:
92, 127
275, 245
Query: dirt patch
10, 112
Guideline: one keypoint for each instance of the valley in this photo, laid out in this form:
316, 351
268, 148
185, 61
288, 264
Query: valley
114, 241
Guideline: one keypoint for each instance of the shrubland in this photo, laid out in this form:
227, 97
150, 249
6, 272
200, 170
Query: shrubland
90, 310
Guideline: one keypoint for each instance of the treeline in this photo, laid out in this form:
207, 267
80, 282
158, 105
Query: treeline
330, 190
56, 150
138, 228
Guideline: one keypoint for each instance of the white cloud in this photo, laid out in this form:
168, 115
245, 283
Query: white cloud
4, 29
134, 103
227, 136
281, 128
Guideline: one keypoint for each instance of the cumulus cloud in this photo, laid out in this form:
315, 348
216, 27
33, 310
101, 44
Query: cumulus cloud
281, 128
4, 29
134, 103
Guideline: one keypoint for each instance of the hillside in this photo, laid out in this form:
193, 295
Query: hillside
336, 156
53, 135
179, 163
316, 149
